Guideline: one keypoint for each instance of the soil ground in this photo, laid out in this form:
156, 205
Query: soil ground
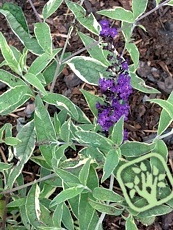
156, 68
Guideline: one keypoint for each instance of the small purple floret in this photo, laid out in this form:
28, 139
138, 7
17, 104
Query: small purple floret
113, 32
124, 65
104, 23
106, 30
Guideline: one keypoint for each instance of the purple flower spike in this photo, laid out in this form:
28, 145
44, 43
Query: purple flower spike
116, 89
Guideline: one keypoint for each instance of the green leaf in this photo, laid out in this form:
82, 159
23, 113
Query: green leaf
111, 162
67, 177
89, 22
74, 204
134, 53
104, 194
91, 101
41, 161
164, 104
62, 102
117, 134
142, 27
87, 69
30, 42
86, 212
22, 60
110, 210
43, 35
165, 118
57, 215
138, 10
10, 79
49, 72
158, 1
17, 203
34, 81
66, 194
50, 7
41, 78
95, 140
84, 172
58, 154
170, 3
23, 151
5, 166
67, 218
44, 129
127, 30
13, 98
5, 131
41, 62
17, 12
139, 84
96, 154
162, 150
118, 13
147, 220
33, 206
96, 50
130, 224
24, 217
3, 63
134, 149
93, 180
16, 52
46, 215
50, 228
155, 211
8, 55
65, 131
12, 141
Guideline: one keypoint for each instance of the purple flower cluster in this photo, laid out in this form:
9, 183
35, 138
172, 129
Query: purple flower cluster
107, 30
115, 91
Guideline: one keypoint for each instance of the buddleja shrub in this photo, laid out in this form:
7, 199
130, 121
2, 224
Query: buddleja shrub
68, 194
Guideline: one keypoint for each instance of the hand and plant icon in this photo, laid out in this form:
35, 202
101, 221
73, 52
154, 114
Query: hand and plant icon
148, 181
144, 184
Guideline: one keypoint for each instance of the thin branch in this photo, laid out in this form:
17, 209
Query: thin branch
160, 137
4, 219
29, 184
35, 11
81, 50
151, 11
